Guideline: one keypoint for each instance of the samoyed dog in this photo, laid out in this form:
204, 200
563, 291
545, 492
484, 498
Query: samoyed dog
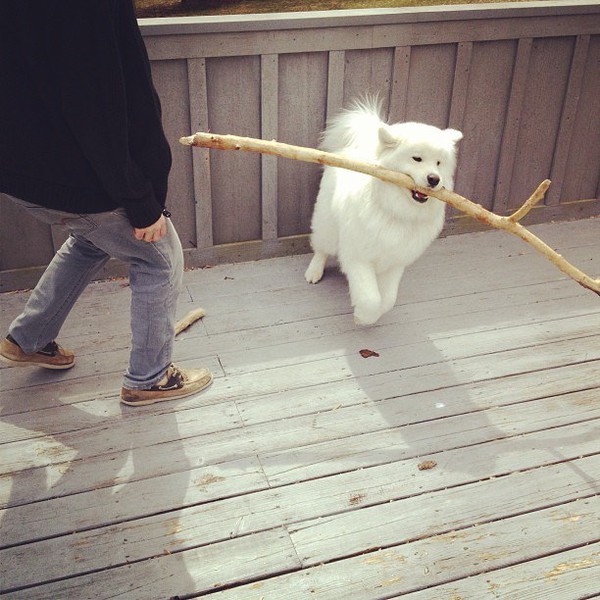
376, 229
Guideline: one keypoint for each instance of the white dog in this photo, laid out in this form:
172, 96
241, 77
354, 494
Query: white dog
376, 229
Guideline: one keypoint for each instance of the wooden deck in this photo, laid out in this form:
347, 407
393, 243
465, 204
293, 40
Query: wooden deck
300, 473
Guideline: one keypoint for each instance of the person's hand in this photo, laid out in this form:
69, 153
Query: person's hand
152, 233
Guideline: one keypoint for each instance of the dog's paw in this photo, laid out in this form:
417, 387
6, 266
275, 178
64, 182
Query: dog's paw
366, 316
313, 275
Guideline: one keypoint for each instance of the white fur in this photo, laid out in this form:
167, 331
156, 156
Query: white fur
376, 229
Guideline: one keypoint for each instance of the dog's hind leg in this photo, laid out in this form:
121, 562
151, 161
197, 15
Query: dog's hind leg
315, 269
323, 239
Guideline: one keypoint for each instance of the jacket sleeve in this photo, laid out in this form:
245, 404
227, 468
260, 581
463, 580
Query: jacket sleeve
111, 106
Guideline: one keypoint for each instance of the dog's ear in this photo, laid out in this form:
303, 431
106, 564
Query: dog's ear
454, 135
386, 137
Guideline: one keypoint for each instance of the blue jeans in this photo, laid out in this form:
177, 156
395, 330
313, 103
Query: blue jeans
155, 275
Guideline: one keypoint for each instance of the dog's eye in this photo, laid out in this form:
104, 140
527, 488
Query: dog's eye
417, 158
439, 162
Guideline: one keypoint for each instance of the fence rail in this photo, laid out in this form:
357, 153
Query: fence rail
522, 81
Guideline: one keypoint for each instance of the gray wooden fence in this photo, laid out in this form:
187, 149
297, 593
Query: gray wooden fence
522, 81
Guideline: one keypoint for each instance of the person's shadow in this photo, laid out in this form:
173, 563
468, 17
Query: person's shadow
75, 462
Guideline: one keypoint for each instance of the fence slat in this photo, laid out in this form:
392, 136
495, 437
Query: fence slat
399, 86
567, 120
460, 88
511, 130
200, 160
458, 104
269, 131
335, 81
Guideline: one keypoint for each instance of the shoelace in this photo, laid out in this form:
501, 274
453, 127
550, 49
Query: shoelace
174, 375
50, 348
175, 370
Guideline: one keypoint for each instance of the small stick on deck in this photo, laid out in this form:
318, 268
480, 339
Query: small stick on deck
189, 319
476, 211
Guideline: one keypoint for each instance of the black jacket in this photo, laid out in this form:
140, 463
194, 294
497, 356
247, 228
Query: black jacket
80, 120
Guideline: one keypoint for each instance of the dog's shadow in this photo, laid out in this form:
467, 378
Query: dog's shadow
419, 387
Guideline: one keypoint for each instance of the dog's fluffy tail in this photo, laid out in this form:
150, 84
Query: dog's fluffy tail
356, 128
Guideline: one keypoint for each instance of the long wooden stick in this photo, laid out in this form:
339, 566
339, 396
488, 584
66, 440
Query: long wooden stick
476, 211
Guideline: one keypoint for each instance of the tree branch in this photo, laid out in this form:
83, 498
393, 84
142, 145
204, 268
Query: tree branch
536, 197
476, 211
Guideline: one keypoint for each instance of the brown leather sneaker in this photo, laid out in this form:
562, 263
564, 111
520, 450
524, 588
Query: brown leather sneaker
177, 383
51, 356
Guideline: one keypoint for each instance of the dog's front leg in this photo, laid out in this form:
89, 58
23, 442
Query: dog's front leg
314, 272
364, 293
389, 281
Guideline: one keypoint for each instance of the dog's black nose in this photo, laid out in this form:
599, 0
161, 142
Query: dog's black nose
433, 180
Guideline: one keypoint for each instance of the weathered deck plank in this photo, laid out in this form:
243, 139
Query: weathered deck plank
459, 557
297, 473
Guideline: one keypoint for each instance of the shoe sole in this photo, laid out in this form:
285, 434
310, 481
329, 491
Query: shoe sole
165, 398
30, 363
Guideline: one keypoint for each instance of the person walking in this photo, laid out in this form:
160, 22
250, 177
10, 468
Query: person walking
82, 146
